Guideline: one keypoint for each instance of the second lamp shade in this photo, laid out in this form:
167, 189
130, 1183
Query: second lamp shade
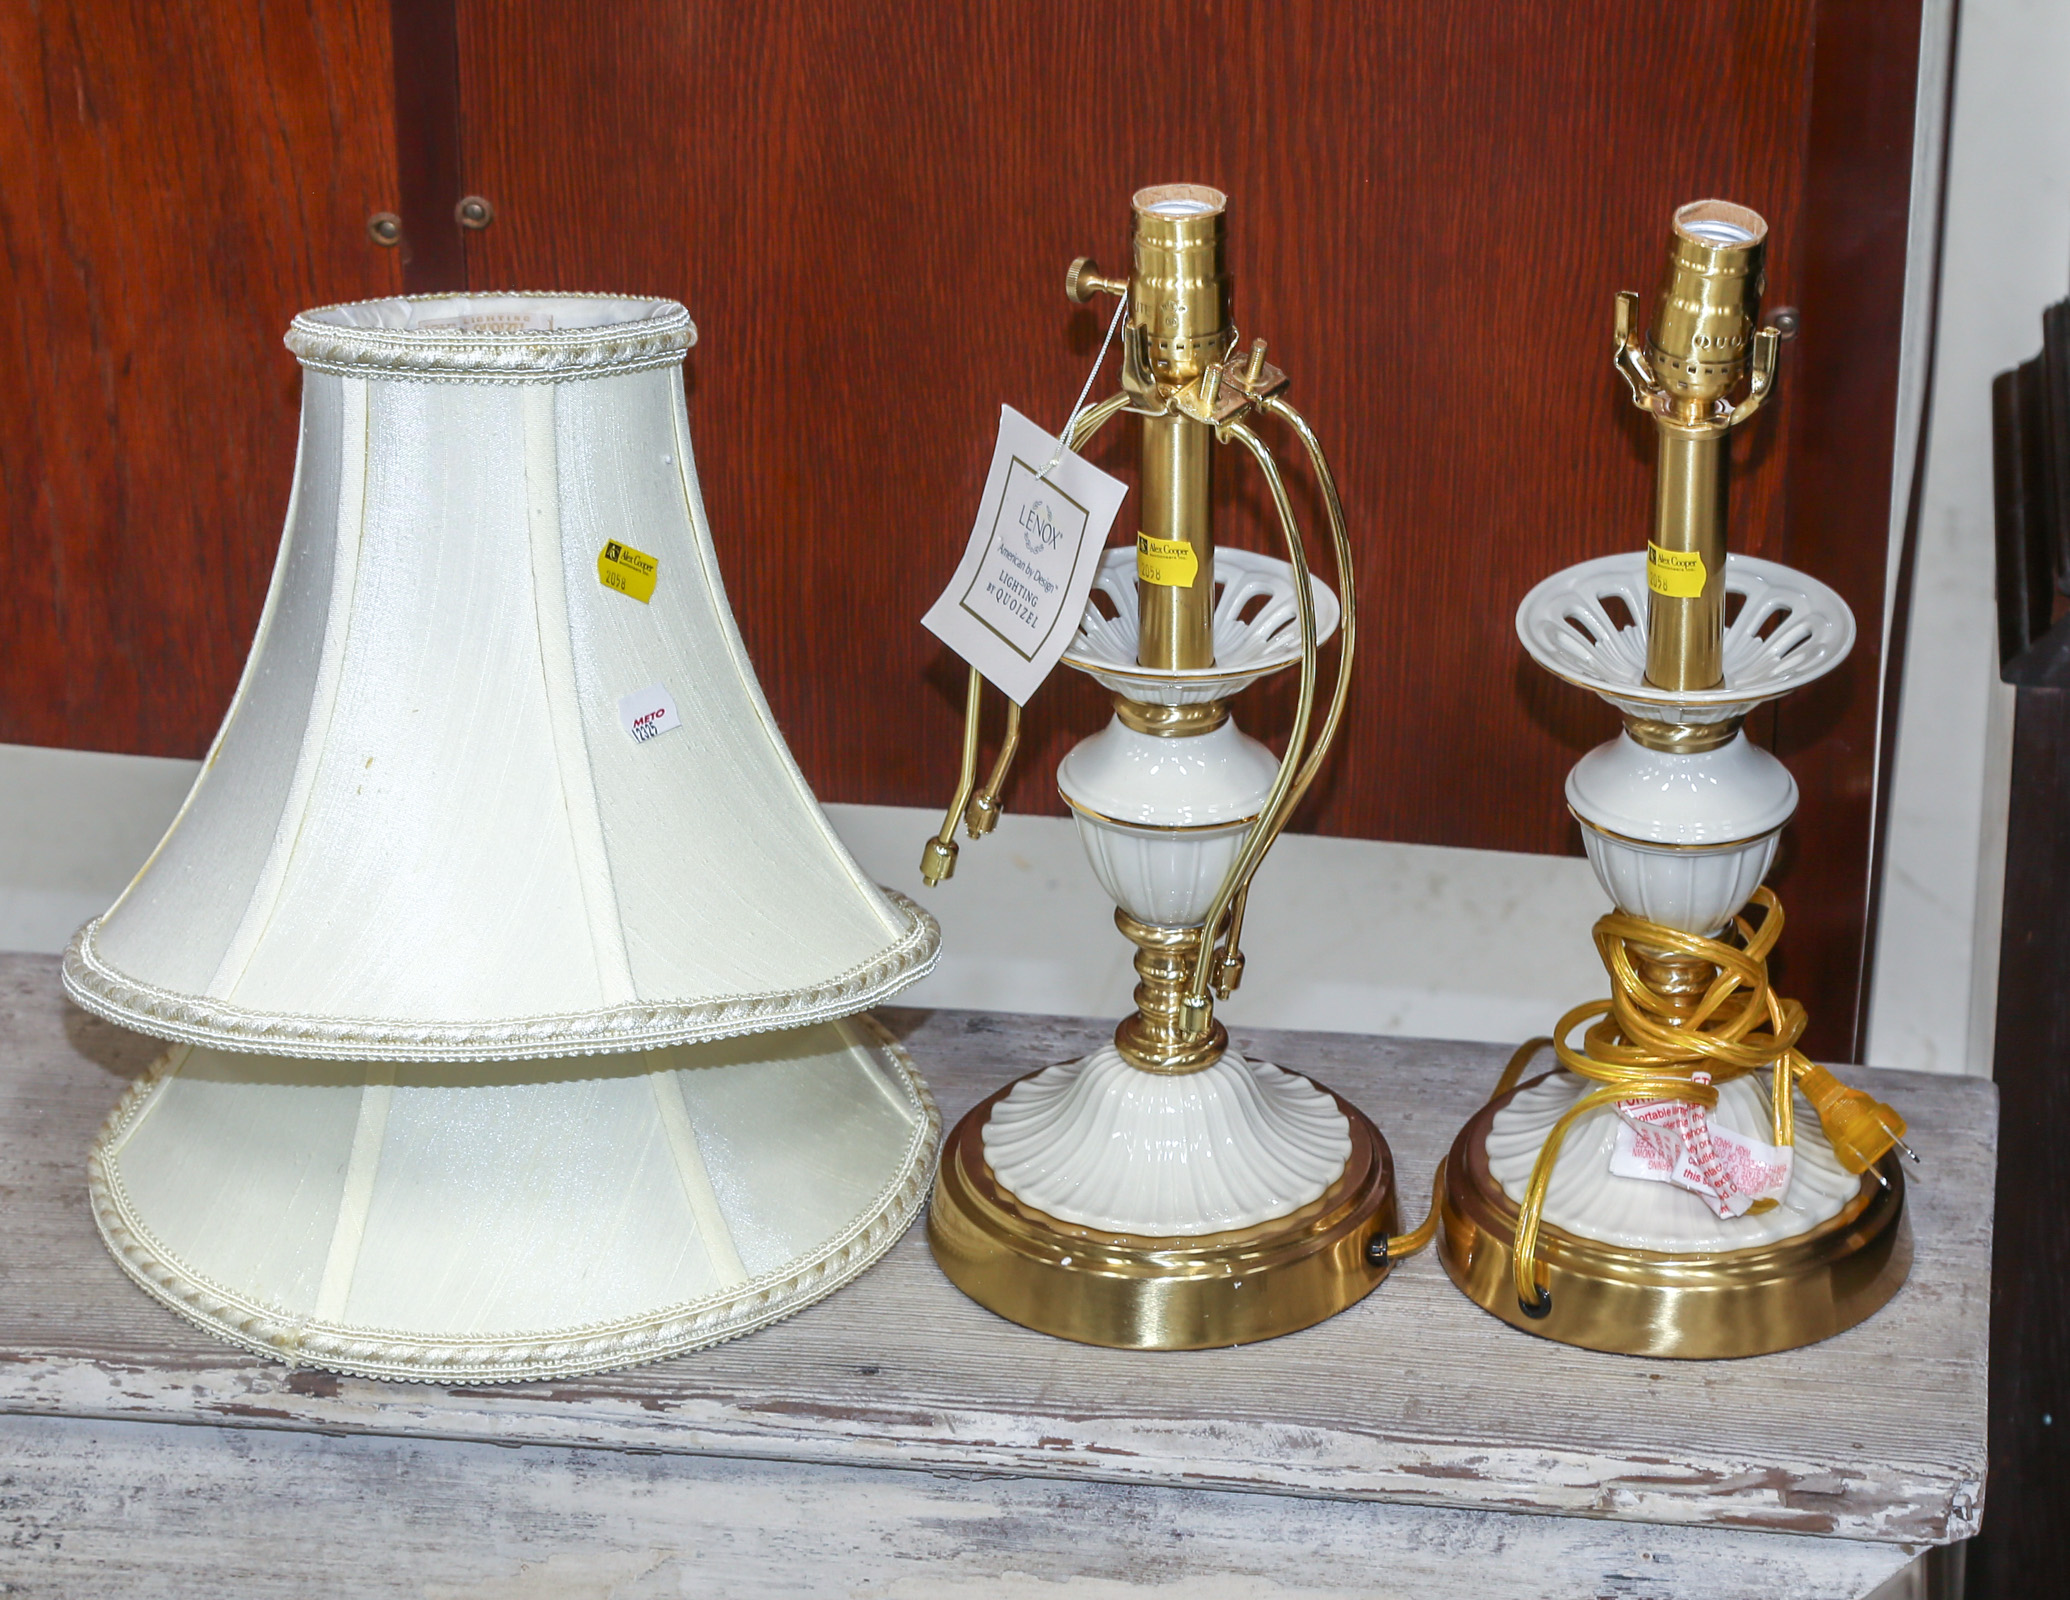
499, 786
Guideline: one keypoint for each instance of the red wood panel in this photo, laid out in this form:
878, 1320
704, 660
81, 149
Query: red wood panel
175, 183
869, 210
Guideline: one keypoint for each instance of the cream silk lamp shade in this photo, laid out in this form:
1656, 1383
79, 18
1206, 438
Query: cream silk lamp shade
511, 969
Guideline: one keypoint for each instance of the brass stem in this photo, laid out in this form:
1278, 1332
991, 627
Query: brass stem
1685, 636
1171, 722
1177, 624
1155, 1037
1178, 329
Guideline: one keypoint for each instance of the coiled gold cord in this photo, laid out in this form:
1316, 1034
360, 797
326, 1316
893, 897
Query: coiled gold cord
1656, 1032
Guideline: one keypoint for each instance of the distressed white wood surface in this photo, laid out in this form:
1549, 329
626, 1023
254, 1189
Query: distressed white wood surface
105, 1509
1415, 1396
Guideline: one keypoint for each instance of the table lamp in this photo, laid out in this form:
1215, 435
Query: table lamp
511, 970
1166, 1192
1658, 1194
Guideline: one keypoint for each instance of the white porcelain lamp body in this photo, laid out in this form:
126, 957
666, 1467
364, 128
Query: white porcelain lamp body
496, 861
1681, 838
1162, 819
1099, 1142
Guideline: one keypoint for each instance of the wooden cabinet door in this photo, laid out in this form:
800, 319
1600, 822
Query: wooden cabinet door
869, 209
176, 182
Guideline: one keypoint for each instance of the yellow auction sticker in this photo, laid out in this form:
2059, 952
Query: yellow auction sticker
1168, 563
629, 571
1678, 574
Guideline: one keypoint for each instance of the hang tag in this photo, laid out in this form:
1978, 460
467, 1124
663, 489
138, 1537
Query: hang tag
629, 571
648, 714
1020, 589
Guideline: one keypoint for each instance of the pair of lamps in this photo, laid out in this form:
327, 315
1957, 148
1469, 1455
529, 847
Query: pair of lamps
514, 981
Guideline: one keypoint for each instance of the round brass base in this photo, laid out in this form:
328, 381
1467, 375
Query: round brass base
1684, 1306
1131, 1292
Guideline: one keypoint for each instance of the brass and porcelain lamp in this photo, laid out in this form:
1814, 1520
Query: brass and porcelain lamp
1166, 1191
511, 971
1657, 1194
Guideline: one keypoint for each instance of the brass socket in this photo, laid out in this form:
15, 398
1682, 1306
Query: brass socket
1710, 301
1179, 290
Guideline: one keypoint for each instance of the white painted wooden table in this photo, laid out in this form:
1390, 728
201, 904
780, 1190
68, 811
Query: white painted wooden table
896, 1440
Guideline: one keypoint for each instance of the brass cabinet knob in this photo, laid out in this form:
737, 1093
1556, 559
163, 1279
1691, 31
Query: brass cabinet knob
474, 212
385, 228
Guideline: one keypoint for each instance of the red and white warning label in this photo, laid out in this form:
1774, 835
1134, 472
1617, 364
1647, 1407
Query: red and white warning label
1673, 1141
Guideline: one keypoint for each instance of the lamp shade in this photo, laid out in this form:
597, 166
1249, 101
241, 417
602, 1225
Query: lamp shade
426, 830
509, 962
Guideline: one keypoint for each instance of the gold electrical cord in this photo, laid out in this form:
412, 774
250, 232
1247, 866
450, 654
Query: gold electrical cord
1400, 1246
1646, 1044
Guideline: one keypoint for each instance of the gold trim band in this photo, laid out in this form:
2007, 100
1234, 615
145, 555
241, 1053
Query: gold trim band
1158, 827
1682, 738
1676, 849
1171, 722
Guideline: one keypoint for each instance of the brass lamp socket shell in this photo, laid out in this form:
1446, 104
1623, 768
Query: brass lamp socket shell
1179, 289
1710, 300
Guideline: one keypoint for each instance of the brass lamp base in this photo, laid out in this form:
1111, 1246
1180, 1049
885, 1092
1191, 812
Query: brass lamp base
1700, 1306
1131, 1292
